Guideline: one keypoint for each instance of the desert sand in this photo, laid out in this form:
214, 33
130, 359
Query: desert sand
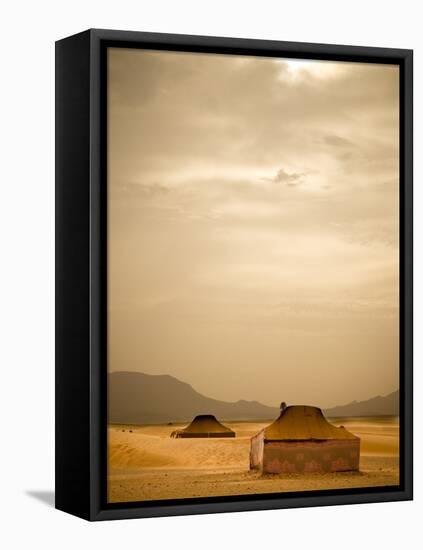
145, 463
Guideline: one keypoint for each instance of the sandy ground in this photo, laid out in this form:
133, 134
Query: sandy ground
145, 463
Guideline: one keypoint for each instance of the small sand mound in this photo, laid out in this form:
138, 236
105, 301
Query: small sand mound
127, 456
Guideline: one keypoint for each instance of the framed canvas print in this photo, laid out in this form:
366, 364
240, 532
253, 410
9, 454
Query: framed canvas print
233, 274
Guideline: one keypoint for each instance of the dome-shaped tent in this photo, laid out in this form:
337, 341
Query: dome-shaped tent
204, 425
302, 440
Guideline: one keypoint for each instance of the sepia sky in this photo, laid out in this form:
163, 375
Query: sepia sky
253, 225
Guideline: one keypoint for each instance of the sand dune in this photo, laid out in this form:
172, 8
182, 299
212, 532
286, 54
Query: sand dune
147, 464
152, 447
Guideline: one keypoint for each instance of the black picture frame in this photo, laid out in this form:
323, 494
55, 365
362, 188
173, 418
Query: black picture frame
81, 274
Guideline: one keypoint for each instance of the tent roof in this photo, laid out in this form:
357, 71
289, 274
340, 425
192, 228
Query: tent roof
301, 423
205, 423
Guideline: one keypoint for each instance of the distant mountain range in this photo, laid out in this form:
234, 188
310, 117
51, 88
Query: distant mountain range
387, 405
137, 398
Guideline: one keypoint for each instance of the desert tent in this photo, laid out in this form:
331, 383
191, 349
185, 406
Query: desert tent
302, 440
204, 425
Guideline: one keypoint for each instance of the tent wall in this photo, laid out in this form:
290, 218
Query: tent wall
256, 451
308, 456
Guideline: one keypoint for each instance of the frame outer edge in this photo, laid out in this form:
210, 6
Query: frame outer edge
97, 410
72, 392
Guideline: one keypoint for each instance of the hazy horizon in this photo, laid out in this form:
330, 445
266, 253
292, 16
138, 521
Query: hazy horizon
253, 225
276, 405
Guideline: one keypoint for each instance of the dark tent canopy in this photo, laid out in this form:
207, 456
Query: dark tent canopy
204, 425
304, 423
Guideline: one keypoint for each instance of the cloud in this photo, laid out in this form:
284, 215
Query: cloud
287, 179
337, 141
